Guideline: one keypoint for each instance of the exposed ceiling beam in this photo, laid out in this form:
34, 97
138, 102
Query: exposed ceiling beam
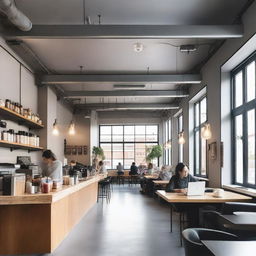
128, 31
125, 93
73, 79
124, 106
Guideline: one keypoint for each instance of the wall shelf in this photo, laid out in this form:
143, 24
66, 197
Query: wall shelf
8, 114
13, 146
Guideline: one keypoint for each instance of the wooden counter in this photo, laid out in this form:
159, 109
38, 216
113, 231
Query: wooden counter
35, 224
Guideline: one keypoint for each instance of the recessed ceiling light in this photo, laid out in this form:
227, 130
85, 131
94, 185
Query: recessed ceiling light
138, 47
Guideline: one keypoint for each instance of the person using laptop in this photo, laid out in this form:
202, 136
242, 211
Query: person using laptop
179, 181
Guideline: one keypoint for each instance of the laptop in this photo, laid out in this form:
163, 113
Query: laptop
196, 188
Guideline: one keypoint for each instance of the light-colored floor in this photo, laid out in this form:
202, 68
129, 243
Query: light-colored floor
131, 224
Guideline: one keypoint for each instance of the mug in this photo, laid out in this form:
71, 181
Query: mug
219, 192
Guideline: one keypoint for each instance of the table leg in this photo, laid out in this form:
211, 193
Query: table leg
171, 218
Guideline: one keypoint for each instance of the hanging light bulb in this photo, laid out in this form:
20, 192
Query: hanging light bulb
72, 130
206, 132
181, 138
55, 129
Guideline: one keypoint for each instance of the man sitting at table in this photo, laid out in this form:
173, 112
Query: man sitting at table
179, 181
133, 169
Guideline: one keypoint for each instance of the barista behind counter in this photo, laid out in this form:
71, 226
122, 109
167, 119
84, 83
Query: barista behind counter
51, 166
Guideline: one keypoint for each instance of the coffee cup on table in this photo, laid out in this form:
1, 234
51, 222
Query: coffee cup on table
219, 192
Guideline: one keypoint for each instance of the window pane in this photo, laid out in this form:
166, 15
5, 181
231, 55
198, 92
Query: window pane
129, 133
140, 153
117, 138
117, 154
105, 138
107, 152
117, 130
203, 111
105, 130
250, 73
105, 133
129, 151
180, 123
239, 89
140, 133
152, 129
203, 157
180, 152
197, 114
251, 146
239, 148
197, 153
170, 129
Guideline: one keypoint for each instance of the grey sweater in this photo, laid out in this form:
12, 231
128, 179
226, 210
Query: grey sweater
178, 183
54, 171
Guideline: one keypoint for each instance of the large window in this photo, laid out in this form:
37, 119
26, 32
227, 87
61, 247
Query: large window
168, 142
200, 144
127, 143
180, 130
243, 123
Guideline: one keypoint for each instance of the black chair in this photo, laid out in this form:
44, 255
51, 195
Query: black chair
213, 219
192, 238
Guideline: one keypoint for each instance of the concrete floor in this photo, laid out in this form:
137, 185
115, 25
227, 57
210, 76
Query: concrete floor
131, 224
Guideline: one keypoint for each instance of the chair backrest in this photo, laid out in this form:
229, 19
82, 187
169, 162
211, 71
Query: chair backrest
192, 240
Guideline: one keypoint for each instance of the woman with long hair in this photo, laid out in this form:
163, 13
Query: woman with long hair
179, 181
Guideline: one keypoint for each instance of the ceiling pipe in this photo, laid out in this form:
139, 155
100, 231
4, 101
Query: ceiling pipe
14, 15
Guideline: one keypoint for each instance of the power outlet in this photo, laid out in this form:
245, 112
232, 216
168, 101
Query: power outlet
3, 124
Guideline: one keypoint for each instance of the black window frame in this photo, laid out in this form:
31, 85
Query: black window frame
242, 110
198, 128
123, 142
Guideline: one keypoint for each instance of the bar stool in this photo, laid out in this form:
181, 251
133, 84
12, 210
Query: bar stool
104, 190
120, 179
133, 179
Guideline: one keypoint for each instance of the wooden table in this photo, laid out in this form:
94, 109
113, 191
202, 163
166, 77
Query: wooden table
231, 248
161, 182
37, 223
153, 177
207, 198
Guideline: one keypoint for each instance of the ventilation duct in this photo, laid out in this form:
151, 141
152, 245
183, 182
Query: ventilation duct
14, 15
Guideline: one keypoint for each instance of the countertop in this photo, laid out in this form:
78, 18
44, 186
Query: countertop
43, 198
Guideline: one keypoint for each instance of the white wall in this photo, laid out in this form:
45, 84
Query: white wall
10, 70
211, 76
40, 100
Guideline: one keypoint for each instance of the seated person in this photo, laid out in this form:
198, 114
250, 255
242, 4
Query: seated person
150, 170
181, 178
120, 169
164, 173
133, 169
179, 183
102, 169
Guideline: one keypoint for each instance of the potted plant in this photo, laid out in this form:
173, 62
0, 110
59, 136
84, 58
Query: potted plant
154, 152
98, 153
